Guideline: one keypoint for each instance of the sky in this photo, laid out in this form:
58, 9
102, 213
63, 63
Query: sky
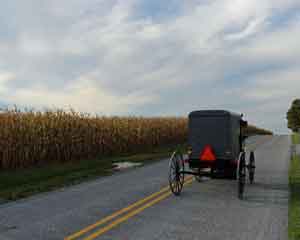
152, 57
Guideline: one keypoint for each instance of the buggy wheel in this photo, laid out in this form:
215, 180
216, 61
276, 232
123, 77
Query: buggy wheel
241, 172
251, 167
176, 173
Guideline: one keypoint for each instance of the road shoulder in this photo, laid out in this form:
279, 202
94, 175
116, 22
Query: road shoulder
294, 182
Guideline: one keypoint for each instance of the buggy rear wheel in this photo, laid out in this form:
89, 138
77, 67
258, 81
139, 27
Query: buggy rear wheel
251, 167
241, 172
176, 173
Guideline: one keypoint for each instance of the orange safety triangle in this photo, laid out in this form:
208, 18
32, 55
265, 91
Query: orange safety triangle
207, 154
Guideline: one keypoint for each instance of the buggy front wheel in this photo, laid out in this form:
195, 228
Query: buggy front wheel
176, 173
241, 174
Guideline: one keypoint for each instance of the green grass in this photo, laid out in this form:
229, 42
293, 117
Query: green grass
294, 203
296, 138
26, 182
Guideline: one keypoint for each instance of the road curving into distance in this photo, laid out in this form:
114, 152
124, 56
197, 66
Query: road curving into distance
137, 204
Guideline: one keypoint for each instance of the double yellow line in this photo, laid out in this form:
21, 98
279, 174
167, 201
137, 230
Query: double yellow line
102, 226
112, 221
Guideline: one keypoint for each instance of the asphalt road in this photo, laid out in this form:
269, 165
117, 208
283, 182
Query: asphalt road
207, 210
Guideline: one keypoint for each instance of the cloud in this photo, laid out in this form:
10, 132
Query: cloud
5, 77
275, 85
131, 57
83, 95
251, 28
34, 47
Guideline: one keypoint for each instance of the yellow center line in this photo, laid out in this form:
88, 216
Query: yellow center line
131, 214
118, 213
127, 209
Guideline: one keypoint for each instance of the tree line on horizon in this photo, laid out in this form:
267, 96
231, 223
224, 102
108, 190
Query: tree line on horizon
293, 116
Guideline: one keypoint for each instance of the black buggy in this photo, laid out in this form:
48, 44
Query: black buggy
216, 149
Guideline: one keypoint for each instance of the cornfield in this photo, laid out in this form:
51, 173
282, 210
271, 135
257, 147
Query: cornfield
252, 130
37, 138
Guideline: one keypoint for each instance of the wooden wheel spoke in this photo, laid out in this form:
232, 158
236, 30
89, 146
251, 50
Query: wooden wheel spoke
176, 175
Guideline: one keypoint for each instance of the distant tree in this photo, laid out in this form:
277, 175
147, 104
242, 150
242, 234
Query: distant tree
293, 116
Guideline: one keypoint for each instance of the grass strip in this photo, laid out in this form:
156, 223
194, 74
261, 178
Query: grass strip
26, 182
294, 202
296, 138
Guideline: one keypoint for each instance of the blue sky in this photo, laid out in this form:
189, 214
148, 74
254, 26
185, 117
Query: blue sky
142, 57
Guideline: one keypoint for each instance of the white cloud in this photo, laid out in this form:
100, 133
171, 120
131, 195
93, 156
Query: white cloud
270, 94
251, 28
277, 44
5, 77
34, 47
83, 95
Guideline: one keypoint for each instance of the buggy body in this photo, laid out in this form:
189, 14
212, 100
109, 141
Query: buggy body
216, 148
219, 132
